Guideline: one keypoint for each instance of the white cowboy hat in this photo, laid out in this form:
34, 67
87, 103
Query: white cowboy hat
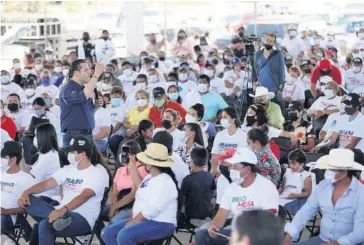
262, 91
156, 155
339, 159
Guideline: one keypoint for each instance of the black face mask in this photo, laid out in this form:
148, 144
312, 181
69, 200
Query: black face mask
268, 46
86, 39
153, 40
225, 172
105, 38
350, 110
288, 66
293, 117
166, 124
32, 50
325, 73
215, 61
250, 120
162, 58
241, 34
13, 107
307, 70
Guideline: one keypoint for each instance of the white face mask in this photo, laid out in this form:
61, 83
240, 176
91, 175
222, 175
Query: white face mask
140, 86
72, 159
58, 69
209, 73
356, 69
361, 35
190, 119
128, 71
235, 176
330, 175
4, 165
291, 80
202, 87
16, 65
106, 86
153, 79
65, 72
183, 77
5, 79
329, 93
225, 123
38, 67
142, 102
292, 33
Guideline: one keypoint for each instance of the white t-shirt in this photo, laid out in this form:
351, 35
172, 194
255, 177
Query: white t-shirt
127, 82
11, 88
74, 181
359, 90
179, 138
305, 82
262, 194
17, 117
294, 46
330, 124
224, 140
102, 119
51, 89
358, 44
56, 110
12, 186
44, 168
27, 103
272, 133
323, 103
295, 91
232, 77
156, 199
353, 80
217, 85
347, 129
179, 168
294, 184
185, 88
117, 115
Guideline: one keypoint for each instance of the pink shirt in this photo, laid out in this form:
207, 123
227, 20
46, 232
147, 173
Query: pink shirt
123, 179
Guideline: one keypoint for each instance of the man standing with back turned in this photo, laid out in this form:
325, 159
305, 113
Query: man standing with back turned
76, 101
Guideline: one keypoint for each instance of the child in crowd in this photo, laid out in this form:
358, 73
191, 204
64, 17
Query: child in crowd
197, 188
296, 186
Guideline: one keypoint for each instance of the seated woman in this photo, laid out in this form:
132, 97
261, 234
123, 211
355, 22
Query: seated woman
7, 123
154, 216
145, 133
296, 186
102, 127
137, 113
55, 109
170, 121
267, 163
123, 193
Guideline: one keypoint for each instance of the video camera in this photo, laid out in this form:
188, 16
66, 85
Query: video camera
290, 115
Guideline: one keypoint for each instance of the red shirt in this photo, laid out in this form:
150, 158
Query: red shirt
8, 125
335, 74
155, 113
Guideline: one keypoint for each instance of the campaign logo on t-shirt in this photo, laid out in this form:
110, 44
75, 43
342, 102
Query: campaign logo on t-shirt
72, 184
243, 202
223, 146
7, 187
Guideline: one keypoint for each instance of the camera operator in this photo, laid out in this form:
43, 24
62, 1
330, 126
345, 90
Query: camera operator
237, 43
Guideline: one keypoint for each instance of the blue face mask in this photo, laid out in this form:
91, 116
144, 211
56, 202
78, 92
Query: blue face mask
115, 102
173, 96
39, 113
45, 81
48, 101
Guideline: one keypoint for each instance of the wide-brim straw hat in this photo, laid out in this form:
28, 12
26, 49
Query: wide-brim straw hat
262, 91
339, 159
155, 155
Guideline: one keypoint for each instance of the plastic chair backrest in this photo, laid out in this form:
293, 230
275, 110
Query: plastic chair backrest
275, 149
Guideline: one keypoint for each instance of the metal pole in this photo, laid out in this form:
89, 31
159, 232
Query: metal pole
165, 26
45, 25
255, 19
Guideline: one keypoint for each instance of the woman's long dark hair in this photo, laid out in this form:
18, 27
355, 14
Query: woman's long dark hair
231, 111
179, 99
198, 133
168, 170
47, 138
97, 158
261, 114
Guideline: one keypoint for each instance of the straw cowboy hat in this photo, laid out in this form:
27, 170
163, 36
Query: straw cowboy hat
262, 91
155, 155
339, 159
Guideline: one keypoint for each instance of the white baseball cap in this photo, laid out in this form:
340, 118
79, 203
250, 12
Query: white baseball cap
243, 155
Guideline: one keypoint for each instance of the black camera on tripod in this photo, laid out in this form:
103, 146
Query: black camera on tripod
249, 44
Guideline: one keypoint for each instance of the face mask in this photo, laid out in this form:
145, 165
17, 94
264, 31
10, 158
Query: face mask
65, 72
142, 102
330, 38
209, 73
159, 103
128, 71
349, 110
39, 113
115, 102
182, 77
48, 101
153, 79
166, 124
235, 176
173, 96
190, 119
45, 81
329, 93
13, 107
4, 165
29, 92
202, 88
330, 175
16, 66
225, 123
57, 69
38, 67
71, 158
361, 35
293, 117
106, 86
292, 33
140, 86
291, 80
105, 38
5, 79
356, 69
162, 58
250, 120
49, 57
268, 46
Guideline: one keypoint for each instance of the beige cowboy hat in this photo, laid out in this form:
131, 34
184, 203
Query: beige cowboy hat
339, 159
262, 91
155, 155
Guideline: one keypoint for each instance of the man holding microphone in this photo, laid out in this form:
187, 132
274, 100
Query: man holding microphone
76, 101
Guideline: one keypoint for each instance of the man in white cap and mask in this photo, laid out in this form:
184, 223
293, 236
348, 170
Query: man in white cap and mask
294, 44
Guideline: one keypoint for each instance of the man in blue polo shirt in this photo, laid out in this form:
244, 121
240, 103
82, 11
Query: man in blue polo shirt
76, 101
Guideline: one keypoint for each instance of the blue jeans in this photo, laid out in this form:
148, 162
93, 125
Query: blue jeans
121, 215
203, 237
40, 210
101, 145
311, 241
67, 139
149, 230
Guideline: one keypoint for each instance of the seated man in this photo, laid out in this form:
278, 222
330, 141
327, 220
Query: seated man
13, 182
244, 194
82, 195
263, 96
340, 199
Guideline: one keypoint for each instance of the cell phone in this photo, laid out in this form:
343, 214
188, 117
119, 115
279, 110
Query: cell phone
222, 235
125, 150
